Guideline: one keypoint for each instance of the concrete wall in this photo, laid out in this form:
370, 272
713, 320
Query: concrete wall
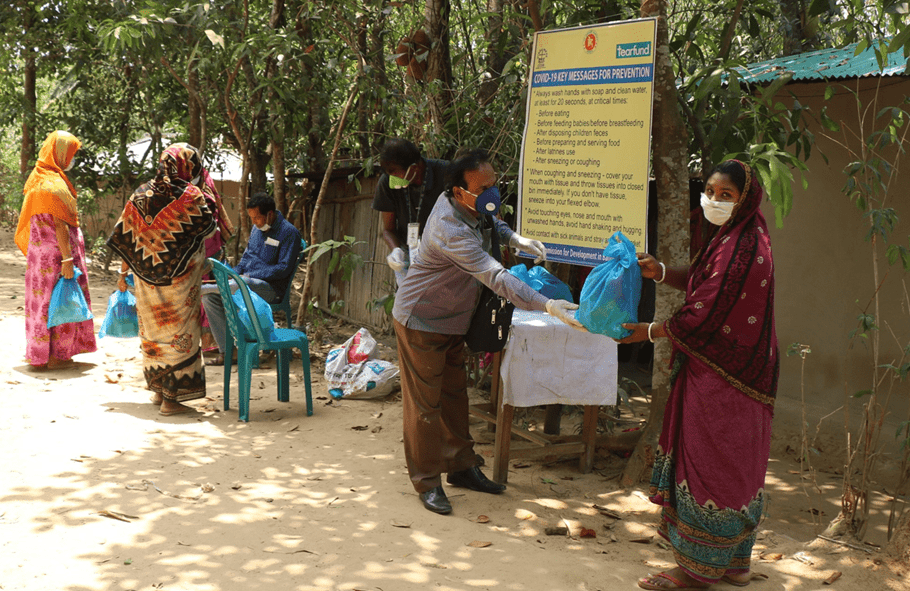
823, 266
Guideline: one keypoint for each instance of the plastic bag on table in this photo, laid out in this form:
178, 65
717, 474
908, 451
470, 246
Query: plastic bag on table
543, 282
121, 319
68, 302
263, 312
353, 371
611, 292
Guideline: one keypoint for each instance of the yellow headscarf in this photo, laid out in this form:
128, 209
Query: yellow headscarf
47, 189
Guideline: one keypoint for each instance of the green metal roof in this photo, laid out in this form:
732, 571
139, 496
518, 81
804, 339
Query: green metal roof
826, 64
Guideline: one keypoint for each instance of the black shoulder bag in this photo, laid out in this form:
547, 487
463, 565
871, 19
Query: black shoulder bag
489, 329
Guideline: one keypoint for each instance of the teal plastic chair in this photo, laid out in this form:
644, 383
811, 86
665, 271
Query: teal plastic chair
250, 344
285, 304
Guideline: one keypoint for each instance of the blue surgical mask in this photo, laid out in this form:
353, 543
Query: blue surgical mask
488, 202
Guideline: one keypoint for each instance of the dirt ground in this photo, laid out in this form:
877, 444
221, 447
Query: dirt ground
286, 501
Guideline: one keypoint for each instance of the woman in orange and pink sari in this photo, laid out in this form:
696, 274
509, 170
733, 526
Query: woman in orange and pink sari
161, 238
48, 235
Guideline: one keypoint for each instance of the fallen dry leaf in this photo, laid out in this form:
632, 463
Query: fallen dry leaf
642, 540
774, 556
376, 429
482, 519
608, 512
588, 533
479, 544
110, 380
834, 576
401, 524
360, 427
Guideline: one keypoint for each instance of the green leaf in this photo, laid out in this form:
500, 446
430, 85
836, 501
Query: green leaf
899, 40
333, 263
829, 123
862, 393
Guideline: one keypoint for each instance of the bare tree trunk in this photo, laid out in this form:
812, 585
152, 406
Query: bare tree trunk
439, 62
501, 47
30, 102
197, 108
669, 159
314, 221
276, 120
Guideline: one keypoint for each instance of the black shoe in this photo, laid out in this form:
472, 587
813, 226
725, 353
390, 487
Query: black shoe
474, 479
436, 501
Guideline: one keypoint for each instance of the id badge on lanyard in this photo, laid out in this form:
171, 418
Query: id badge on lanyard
413, 239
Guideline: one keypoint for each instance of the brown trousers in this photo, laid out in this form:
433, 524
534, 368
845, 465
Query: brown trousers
434, 391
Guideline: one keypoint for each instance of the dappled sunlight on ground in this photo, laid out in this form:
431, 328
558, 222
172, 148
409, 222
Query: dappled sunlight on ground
101, 493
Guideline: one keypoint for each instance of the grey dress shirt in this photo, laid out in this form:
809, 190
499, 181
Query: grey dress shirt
444, 281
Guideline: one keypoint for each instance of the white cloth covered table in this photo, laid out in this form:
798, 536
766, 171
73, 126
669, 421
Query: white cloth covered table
549, 362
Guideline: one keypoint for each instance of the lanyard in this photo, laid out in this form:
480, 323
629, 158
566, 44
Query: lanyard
427, 181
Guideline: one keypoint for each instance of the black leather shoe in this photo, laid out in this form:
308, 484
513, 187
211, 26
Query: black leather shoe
474, 479
436, 501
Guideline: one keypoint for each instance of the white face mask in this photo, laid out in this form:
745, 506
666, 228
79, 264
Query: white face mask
69, 166
716, 212
264, 227
195, 181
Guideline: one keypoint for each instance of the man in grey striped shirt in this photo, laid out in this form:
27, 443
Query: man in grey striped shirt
433, 309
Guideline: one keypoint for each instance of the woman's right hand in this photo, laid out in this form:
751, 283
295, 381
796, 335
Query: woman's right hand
66, 269
650, 268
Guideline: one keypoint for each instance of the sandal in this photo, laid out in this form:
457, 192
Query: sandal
752, 577
175, 408
651, 582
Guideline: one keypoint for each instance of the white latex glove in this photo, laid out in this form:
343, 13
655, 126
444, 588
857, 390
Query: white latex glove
397, 259
560, 309
526, 245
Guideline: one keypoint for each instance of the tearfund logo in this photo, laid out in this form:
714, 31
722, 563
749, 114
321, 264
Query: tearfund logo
629, 50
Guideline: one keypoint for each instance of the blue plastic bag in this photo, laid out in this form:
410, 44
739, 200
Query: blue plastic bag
121, 319
543, 282
262, 309
611, 293
67, 302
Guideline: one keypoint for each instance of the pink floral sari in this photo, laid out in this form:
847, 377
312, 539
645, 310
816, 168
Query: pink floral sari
42, 272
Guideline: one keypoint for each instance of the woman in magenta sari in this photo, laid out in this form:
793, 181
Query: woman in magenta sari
709, 473
48, 235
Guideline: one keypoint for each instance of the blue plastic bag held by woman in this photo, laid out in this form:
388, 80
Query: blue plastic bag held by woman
121, 319
67, 302
543, 282
262, 310
611, 293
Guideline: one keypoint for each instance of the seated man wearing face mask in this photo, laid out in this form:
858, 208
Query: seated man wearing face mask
405, 195
433, 310
266, 266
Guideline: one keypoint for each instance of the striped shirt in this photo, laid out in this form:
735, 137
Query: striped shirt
443, 284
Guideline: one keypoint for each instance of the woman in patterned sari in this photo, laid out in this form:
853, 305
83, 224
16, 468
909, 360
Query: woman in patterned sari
48, 235
709, 473
161, 237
